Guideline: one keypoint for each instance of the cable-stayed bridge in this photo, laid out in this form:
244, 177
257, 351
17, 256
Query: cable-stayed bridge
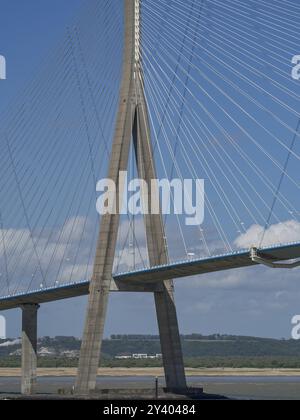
154, 275
205, 90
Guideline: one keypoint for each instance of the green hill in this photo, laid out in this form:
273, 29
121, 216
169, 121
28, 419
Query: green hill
199, 351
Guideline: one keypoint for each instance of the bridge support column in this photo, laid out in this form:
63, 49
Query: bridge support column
158, 254
170, 340
132, 122
29, 348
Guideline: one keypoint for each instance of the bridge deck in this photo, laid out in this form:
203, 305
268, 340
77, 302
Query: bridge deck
156, 274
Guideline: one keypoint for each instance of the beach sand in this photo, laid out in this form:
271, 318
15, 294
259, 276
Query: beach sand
123, 372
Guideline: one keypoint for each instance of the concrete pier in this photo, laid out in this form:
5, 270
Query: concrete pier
29, 348
132, 122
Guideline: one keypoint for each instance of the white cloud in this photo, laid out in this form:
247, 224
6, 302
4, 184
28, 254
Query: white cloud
284, 232
62, 254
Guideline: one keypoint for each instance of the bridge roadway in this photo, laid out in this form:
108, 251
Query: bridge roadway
141, 279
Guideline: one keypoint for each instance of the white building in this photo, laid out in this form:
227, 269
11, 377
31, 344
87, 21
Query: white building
140, 356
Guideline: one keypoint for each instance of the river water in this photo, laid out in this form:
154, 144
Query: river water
273, 388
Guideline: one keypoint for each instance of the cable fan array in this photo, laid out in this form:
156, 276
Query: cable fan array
223, 107
55, 143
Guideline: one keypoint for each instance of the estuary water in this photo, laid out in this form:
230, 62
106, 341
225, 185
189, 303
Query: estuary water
240, 387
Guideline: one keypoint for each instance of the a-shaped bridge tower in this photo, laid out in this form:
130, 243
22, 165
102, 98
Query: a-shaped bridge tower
131, 124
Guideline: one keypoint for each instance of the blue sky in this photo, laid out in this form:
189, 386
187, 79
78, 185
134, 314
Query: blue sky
249, 302
28, 29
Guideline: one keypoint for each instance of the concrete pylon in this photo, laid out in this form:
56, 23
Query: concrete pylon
132, 122
29, 348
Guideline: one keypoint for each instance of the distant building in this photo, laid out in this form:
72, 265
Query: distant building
70, 354
124, 356
137, 356
16, 353
140, 356
45, 351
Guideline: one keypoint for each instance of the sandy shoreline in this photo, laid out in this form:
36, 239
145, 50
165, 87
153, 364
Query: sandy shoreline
123, 372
